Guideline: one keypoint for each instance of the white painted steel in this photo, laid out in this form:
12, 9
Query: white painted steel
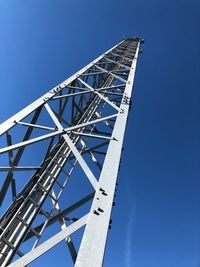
5, 126
93, 243
46, 136
94, 136
74, 150
91, 252
50, 243
100, 95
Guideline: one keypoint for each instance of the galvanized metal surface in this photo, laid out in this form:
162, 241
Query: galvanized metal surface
80, 123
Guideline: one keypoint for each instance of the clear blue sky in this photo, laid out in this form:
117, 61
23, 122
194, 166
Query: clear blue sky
156, 220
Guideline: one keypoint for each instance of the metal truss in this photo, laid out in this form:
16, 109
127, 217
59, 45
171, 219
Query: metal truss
59, 162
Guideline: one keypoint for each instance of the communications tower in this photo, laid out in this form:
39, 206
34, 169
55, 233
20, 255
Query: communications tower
59, 161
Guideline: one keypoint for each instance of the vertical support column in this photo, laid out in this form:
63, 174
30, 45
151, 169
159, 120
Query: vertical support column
100, 80
91, 252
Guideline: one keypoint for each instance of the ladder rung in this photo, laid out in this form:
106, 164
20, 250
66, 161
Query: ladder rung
63, 156
53, 177
59, 165
8, 243
21, 220
43, 187
34, 202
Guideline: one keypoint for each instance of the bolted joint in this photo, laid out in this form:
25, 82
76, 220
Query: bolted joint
96, 212
103, 191
99, 209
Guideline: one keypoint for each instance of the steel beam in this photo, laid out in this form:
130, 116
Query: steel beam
37, 252
89, 113
93, 244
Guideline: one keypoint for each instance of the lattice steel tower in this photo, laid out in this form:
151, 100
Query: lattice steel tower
59, 163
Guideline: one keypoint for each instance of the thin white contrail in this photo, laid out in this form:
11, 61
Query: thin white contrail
129, 238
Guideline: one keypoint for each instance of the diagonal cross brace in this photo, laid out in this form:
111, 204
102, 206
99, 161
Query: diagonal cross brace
63, 227
50, 243
74, 150
50, 135
100, 95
